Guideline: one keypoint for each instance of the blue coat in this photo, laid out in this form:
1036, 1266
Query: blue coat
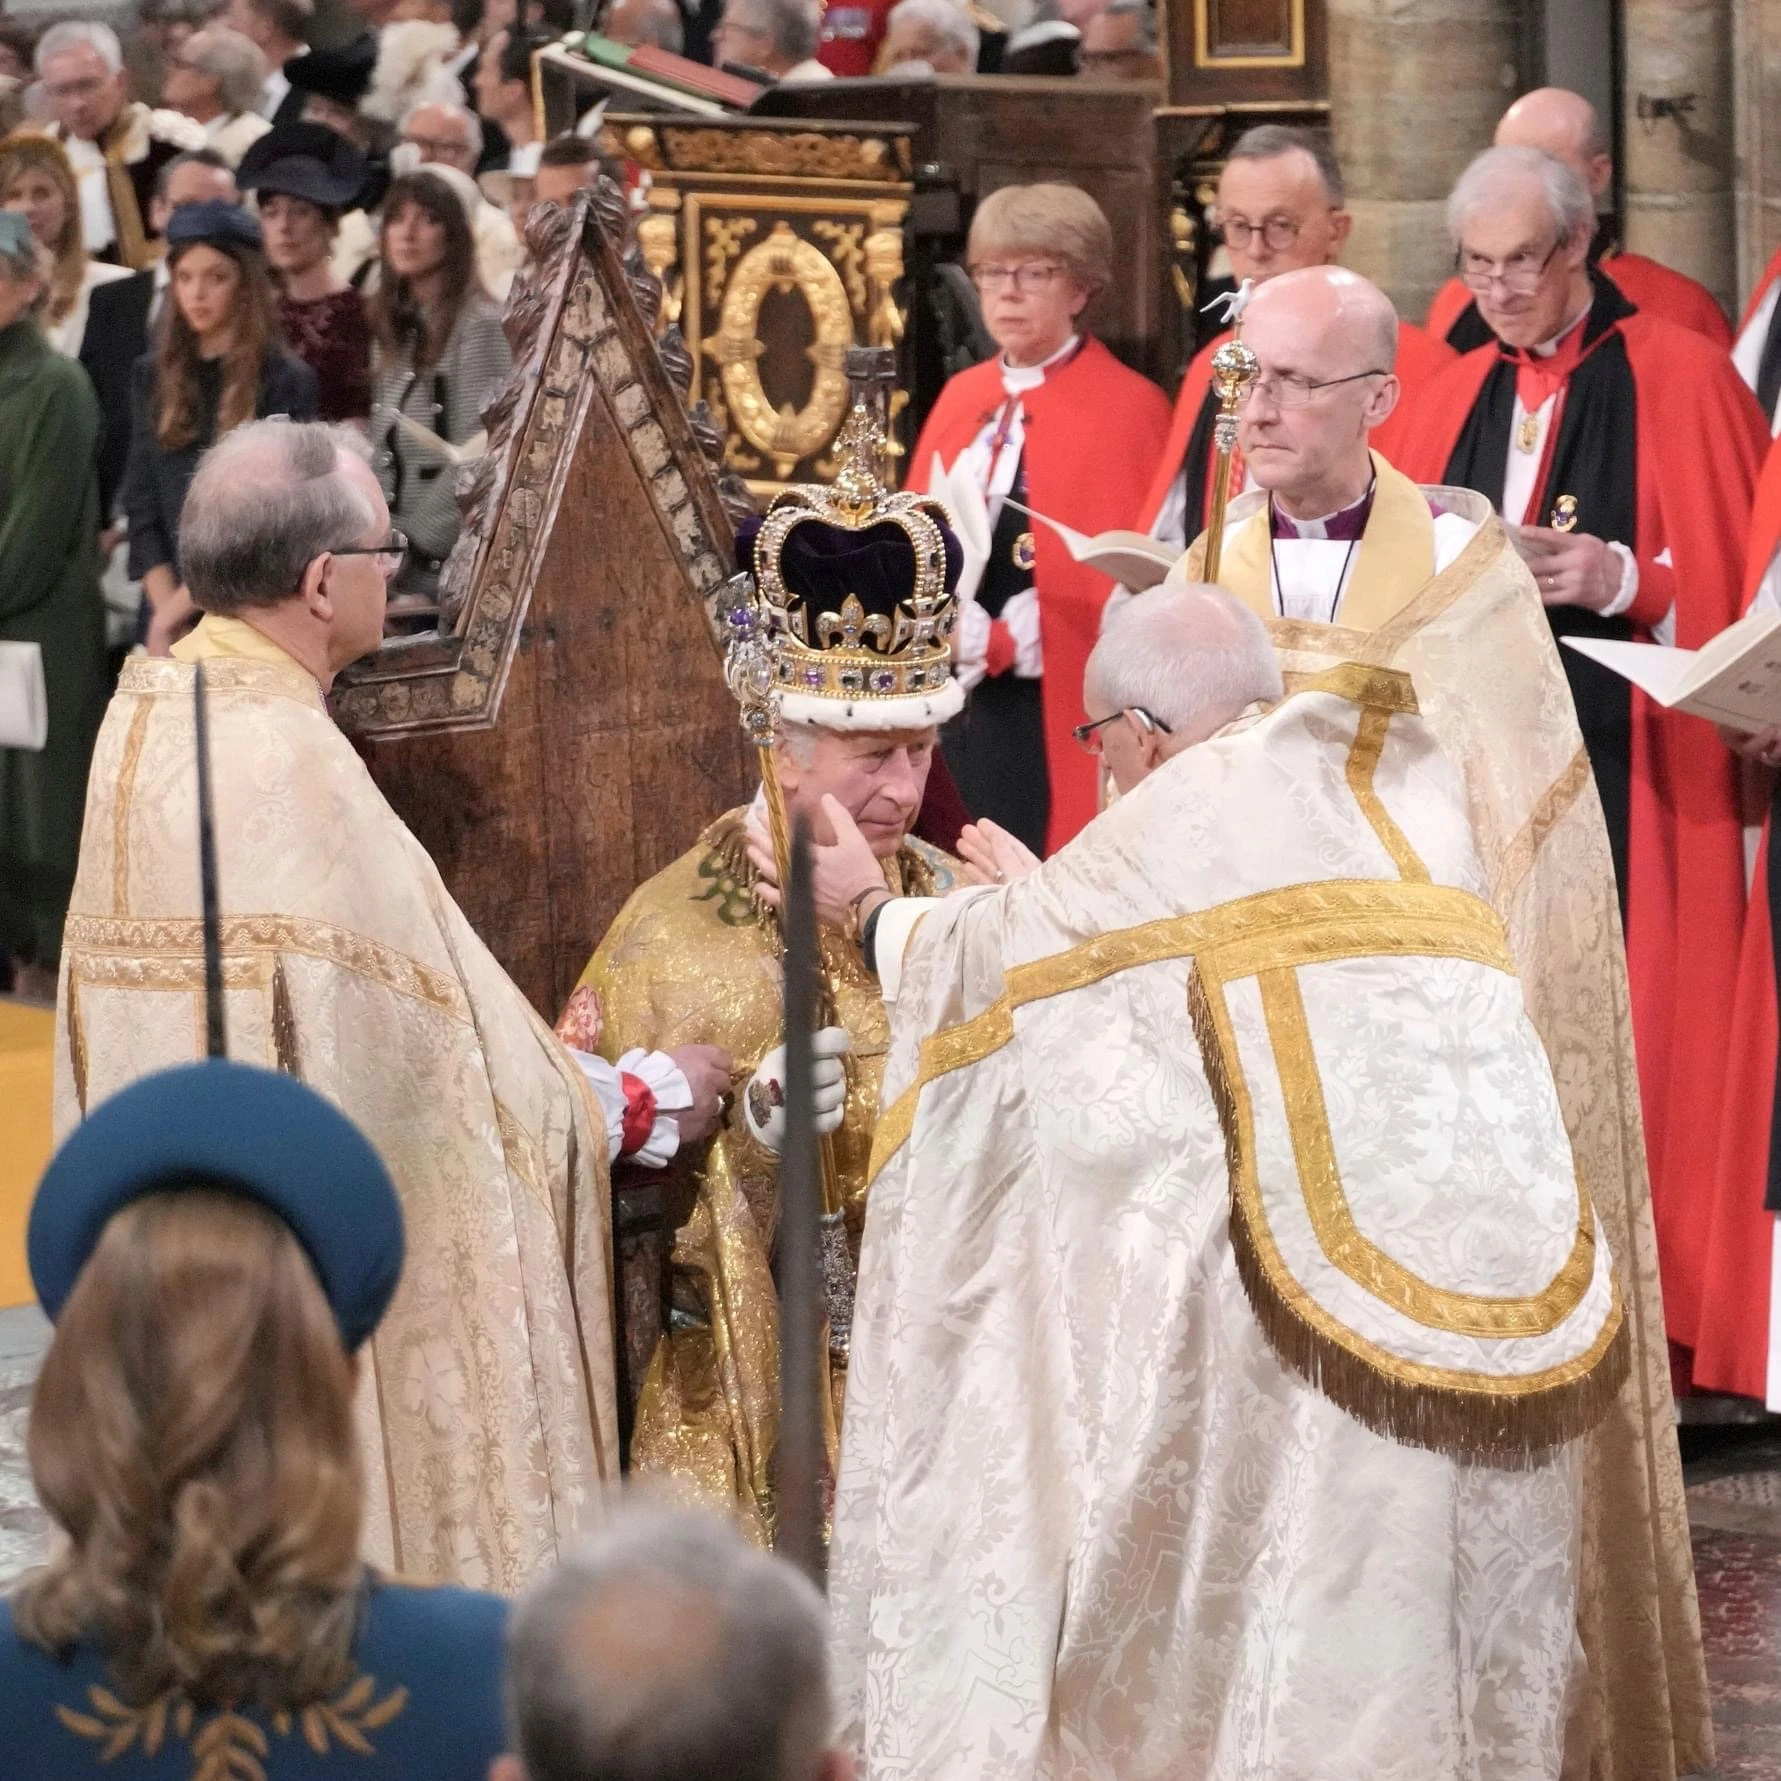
424, 1700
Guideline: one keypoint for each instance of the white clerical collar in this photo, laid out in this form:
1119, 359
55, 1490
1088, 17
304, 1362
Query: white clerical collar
1016, 379
1547, 348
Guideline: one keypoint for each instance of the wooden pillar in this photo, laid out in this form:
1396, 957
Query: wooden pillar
1416, 88
1756, 115
1677, 157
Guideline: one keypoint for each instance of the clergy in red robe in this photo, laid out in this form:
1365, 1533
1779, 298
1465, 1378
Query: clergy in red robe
1624, 451
1056, 424
1757, 353
1280, 207
1736, 1336
1566, 126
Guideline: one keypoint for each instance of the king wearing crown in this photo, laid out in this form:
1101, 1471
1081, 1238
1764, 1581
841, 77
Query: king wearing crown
842, 661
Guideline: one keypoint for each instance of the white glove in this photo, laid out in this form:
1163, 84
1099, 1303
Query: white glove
1020, 613
763, 1102
970, 644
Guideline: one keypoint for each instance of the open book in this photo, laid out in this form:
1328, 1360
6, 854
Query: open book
1734, 680
1134, 558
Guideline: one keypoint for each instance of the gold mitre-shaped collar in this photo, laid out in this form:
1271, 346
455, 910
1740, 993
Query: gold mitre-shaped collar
856, 585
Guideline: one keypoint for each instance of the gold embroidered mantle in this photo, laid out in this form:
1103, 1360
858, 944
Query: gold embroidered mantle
487, 1404
692, 958
1227, 1283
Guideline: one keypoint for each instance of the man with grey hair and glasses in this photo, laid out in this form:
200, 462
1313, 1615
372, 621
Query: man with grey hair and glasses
1566, 126
1621, 451
1145, 1473
667, 1649
488, 1405
117, 146
777, 38
1282, 207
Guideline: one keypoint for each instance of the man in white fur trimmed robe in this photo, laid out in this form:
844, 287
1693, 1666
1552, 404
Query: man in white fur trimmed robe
1229, 1304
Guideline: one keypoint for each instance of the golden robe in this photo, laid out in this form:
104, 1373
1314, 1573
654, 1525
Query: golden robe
1475, 640
487, 1404
694, 959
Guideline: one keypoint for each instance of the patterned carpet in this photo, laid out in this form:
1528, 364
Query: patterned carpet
1734, 1505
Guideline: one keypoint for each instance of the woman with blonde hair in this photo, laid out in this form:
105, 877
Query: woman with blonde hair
37, 180
218, 361
1053, 423
213, 1246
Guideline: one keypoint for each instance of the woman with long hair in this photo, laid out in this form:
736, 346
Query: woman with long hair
37, 180
213, 1245
439, 355
218, 361
304, 176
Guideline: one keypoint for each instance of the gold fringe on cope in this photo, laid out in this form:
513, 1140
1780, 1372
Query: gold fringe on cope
1499, 1421
284, 1025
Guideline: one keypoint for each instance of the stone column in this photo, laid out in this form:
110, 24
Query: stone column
1677, 171
1416, 88
1756, 114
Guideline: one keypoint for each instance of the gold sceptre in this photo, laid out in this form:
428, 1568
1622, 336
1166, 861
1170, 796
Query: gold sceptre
1234, 369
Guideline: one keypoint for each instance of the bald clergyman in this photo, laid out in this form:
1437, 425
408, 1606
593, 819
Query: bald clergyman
1429, 580
1281, 207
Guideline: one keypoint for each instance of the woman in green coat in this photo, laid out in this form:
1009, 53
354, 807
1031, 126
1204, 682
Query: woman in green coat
49, 595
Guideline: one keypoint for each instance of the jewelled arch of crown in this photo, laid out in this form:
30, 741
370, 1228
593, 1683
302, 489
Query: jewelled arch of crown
856, 654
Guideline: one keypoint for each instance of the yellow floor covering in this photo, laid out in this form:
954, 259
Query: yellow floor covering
26, 1036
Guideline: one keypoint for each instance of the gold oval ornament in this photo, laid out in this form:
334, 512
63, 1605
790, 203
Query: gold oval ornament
784, 261
1025, 553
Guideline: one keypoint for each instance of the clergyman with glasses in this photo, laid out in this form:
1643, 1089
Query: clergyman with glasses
1055, 424
1281, 207
487, 1400
1622, 451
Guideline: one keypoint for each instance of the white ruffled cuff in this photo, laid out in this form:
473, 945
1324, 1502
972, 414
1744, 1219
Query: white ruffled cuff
1021, 615
664, 1079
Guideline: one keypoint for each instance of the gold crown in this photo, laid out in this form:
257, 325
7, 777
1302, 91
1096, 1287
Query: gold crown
894, 644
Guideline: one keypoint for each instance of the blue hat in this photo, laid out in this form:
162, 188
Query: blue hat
227, 1125
214, 222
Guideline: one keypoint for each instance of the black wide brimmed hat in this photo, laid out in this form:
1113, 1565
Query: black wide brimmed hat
305, 160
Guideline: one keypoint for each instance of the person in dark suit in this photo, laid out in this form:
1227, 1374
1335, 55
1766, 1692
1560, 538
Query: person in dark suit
121, 314
214, 1245
218, 362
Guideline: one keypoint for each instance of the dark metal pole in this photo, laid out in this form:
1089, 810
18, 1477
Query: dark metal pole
800, 1461
216, 1041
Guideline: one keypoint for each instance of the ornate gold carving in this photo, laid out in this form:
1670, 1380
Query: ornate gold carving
885, 321
846, 251
803, 154
639, 144
784, 261
658, 237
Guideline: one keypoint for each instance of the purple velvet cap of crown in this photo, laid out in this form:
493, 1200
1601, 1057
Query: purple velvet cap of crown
821, 564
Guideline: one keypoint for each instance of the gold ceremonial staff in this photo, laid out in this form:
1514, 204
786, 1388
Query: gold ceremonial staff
1234, 369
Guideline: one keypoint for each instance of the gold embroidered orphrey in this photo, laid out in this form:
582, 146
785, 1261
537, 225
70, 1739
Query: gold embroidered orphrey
1489, 1414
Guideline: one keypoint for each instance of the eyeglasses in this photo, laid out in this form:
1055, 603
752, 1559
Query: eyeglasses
449, 149
1519, 275
1089, 735
1033, 275
390, 555
1278, 232
1291, 391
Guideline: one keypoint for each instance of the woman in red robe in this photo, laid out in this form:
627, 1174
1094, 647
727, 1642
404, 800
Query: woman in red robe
1056, 424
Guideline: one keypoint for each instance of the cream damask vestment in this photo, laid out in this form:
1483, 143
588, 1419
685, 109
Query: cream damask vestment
1472, 634
1229, 1304
487, 1404
693, 959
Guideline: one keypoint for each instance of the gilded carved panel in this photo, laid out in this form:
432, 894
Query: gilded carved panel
777, 250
